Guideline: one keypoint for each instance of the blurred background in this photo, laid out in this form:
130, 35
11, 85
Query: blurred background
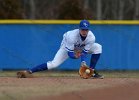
70, 9
26, 42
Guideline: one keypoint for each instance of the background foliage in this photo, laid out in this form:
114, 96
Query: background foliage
70, 9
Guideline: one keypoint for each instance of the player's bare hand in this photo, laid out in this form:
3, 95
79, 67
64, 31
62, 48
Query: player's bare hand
77, 54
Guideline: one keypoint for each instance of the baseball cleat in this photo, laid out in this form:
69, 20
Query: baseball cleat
24, 74
97, 76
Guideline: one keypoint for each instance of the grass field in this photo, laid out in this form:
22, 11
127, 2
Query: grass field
53, 83
108, 74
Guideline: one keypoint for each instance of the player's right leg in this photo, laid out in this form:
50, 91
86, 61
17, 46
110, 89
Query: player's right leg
96, 51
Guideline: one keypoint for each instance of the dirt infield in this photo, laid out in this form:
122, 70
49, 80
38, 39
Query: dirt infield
69, 87
105, 89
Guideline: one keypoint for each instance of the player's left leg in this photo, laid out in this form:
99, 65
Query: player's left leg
96, 51
59, 58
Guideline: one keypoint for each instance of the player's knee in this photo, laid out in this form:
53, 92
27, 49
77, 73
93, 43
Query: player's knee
52, 65
98, 49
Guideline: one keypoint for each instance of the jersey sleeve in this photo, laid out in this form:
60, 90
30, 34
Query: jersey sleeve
69, 45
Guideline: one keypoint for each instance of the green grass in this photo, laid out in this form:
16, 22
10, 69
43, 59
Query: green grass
121, 74
107, 74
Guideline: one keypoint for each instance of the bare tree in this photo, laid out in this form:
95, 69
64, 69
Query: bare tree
136, 15
11, 9
121, 10
86, 4
99, 9
70, 9
32, 9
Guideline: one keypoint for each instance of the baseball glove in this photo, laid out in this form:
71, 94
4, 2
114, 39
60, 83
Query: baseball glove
85, 72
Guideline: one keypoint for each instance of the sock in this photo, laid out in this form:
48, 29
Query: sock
94, 59
39, 68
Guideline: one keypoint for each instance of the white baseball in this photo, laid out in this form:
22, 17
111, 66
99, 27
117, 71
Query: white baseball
87, 71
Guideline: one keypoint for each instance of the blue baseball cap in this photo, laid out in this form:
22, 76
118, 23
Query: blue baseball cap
84, 24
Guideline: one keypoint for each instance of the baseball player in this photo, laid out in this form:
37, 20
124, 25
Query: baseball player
77, 43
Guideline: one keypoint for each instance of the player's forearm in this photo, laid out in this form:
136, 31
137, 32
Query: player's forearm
73, 55
83, 56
